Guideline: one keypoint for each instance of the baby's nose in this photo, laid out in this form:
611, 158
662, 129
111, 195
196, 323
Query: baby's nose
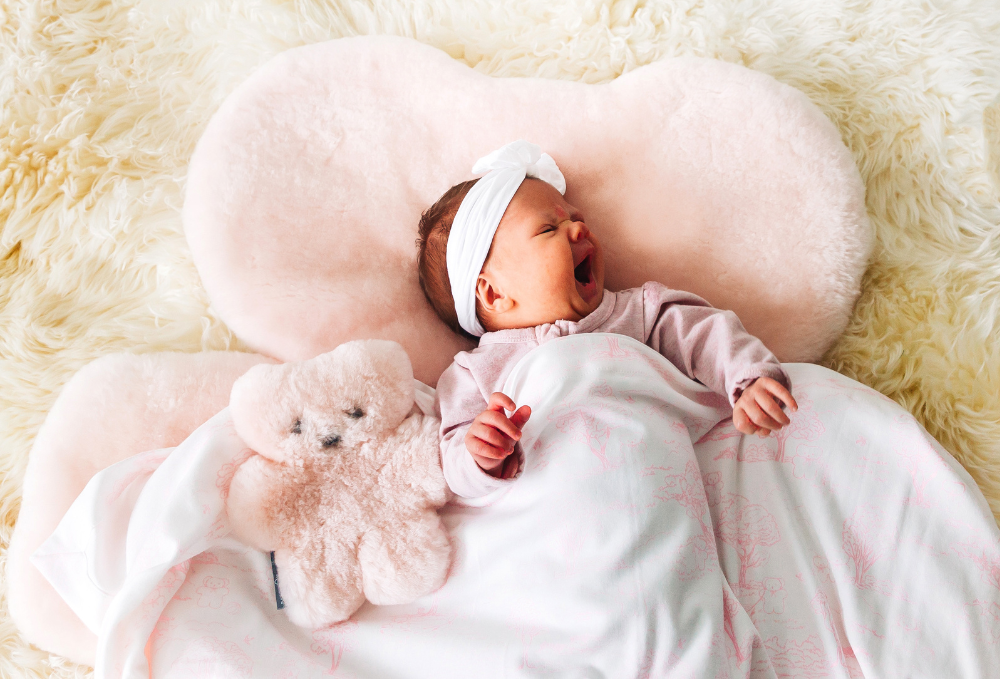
578, 231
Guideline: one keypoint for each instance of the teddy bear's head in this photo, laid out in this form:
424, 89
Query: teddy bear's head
336, 400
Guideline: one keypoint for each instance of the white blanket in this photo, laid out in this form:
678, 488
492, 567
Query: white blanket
849, 545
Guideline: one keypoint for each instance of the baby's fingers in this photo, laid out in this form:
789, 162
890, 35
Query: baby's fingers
779, 390
770, 406
491, 436
520, 417
486, 455
500, 401
742, 422
759, 417
501, 422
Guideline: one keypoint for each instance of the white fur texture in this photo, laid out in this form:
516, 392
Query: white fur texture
102, 106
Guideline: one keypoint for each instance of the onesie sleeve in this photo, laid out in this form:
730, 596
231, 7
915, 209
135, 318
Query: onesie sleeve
460, 401
708, 344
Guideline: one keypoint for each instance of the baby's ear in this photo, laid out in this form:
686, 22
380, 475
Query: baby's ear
263, 408
490, 297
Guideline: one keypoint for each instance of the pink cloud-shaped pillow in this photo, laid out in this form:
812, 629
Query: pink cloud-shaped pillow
305, 191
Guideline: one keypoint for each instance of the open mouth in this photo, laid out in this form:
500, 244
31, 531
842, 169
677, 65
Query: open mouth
584, 261
582, 272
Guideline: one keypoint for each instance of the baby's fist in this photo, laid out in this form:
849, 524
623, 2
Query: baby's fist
492, 435
757, 411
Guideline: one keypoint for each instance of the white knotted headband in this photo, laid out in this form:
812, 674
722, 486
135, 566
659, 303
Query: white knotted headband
479, 215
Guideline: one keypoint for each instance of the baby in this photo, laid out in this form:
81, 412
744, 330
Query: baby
506, 258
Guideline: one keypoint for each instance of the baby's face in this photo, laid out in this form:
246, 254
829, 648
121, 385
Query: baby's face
544, 265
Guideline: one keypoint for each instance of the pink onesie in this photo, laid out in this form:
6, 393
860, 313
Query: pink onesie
707, 344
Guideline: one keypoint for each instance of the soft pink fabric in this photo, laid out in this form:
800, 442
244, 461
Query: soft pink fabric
305, 191
113, 408
707, 344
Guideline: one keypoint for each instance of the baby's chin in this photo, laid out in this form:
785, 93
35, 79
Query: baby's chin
580, 306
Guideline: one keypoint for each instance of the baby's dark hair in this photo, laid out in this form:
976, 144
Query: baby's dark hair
432, 263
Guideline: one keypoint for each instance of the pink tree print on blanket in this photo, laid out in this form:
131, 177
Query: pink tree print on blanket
730, 609
862, 544
747, 528
985, 557
835, 624
803, 425
688, 490
586, 427
988, 614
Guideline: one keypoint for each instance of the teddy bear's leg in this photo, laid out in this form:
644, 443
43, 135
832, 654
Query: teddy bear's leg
404, 561
319, 591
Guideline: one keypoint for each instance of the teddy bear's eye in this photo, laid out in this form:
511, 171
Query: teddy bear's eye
331, 441
356, 413
297, 427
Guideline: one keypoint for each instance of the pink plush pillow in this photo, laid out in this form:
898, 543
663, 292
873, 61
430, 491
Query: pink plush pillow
305, 191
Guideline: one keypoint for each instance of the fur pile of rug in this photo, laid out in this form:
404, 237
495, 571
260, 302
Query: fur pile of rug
103, 104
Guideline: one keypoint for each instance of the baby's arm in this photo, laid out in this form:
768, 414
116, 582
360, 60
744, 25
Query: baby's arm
708, 344
462, 408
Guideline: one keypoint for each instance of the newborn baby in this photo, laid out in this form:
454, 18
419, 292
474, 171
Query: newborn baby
506, 258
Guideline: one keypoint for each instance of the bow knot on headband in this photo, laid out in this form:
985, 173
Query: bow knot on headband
479, 215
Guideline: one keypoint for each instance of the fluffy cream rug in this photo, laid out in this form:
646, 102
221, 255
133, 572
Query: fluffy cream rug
103, 103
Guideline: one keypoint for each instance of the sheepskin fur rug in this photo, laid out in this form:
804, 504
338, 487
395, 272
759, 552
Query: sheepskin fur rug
103, 103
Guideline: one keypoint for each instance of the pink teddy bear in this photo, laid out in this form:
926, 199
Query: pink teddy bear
346, 481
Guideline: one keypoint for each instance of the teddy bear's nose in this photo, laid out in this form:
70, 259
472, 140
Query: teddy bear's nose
331, 441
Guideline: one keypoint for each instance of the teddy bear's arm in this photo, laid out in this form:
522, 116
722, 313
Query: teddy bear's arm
256, 490
418, 458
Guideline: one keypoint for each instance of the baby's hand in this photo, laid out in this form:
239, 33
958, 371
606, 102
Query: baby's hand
491, 438
756, 410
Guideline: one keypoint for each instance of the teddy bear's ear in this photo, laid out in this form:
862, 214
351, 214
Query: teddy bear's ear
372, 380
263, 414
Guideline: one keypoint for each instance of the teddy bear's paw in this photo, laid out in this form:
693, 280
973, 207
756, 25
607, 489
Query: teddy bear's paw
406, 562
250, 492
313, 600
